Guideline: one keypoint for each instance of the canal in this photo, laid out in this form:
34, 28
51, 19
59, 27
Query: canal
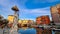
27, 31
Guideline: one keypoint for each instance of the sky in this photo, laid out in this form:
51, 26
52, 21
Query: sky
28, 9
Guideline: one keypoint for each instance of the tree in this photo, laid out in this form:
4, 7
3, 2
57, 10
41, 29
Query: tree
3, 22
1, 17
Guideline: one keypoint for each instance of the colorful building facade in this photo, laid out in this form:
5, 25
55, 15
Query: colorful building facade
25, 22
43, 20
55, 12
10, 18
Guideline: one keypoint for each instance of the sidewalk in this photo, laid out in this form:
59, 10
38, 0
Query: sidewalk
1, 31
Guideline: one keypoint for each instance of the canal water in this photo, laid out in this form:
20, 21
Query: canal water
27, 31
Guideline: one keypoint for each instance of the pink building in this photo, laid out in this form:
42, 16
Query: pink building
55, 12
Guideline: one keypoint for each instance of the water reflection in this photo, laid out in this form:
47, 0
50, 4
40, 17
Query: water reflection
27, 31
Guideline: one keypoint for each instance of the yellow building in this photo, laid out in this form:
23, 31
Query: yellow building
27, 22
20, 21
10, 18
23, 21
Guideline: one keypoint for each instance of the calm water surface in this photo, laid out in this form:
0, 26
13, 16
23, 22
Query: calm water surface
27, 31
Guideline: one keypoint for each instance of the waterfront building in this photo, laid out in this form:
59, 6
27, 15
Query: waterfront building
43, 20
25, 22
55, 12
10, 18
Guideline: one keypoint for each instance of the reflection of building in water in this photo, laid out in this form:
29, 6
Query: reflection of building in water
55, 12
41, 30
43, 20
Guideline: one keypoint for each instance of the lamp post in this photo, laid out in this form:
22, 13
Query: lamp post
15, 21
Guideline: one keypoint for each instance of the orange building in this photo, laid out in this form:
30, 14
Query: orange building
43, 20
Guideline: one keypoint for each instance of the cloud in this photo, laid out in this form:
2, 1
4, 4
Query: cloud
6, 3
37, 11
22, 18
24, 13
33, 13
